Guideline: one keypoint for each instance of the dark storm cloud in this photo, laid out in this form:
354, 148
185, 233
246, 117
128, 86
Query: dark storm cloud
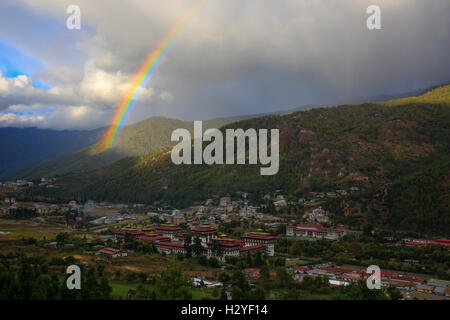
254, 56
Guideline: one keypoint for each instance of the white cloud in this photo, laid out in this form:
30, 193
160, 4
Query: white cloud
234, 57
103, 88
60, 118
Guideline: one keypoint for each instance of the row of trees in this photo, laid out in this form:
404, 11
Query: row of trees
28, 278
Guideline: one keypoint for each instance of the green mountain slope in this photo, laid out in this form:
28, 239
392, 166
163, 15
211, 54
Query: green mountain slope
400, 147
141, 138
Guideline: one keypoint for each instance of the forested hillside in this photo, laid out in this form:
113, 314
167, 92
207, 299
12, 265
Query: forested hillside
138, 139
397, 152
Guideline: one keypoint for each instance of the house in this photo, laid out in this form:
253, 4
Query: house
440, 291
225, 201
425, 288
112, 253
252, 272
438, 283
361, 179
318, 214
300, 269
198, 282
441, 242
337, 283
352, 277
447, 292
280, 203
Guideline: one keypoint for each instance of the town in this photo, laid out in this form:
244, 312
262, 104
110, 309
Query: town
265, 241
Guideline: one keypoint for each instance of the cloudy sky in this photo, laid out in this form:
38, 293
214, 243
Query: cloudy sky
235, 57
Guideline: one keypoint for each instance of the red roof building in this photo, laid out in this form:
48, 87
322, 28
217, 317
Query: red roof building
168, 230
258, 238
169, 247
112, 253
314, 230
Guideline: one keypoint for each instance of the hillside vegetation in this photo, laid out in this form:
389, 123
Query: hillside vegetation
138, 139
401, 149
23, 148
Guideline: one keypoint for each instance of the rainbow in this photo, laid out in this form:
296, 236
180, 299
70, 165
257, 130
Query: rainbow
144, 74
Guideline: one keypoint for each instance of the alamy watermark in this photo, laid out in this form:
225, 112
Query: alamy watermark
214, 151
74, 280
74, 19
374, 20
374, 280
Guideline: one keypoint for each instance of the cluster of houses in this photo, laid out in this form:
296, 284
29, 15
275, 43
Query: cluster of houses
10, 205
113, 219
170, 239
224, 211
426, 242
319, 215
417, 242
279, 200
343, 276
24, 183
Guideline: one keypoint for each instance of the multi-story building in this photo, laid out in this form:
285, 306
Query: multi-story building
267, 240
169, 247
204, 233
168, 230
314, 230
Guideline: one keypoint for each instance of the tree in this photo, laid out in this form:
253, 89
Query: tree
240, 285
131, 276
394, 293
217, 249
188, 245
356, 249
259, 294
359, 291
100, 270
265, 273
295, 249
197, 248
173, 285
283, 278
143, 276
224, 277
62, 238
213, 262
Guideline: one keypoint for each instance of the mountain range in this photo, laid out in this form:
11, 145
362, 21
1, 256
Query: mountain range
141, 138
24, 148
397, 152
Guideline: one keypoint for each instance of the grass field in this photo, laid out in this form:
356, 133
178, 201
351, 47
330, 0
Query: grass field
28, 229
120, 290
297, 262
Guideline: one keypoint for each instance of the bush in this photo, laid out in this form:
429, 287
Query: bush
57, 261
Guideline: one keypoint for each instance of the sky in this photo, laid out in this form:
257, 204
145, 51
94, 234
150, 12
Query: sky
234, 58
